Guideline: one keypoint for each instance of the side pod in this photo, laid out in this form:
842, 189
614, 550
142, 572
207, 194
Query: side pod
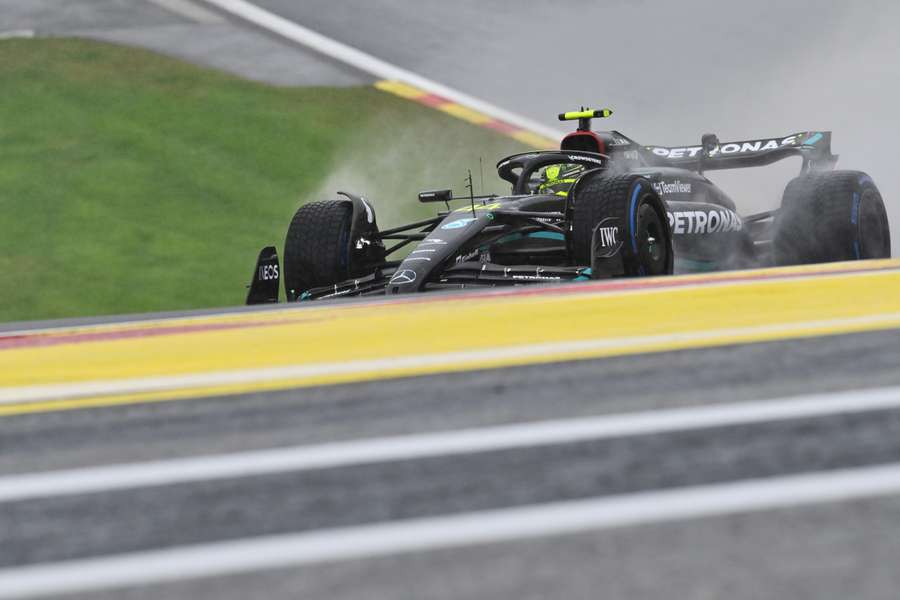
266, 278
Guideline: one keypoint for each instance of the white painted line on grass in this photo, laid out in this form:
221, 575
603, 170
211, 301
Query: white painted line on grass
448, 443
370, 64
189, 10
551, 351
428, 534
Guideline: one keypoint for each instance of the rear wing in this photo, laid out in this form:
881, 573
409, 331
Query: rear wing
813, 146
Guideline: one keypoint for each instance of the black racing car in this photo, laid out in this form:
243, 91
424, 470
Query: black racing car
601, 206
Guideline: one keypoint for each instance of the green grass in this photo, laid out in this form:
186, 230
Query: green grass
132, 182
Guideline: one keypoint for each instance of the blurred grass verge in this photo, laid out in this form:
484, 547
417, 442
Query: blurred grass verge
132, 182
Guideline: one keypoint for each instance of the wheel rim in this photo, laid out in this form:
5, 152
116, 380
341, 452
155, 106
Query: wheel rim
653, 250
873, 238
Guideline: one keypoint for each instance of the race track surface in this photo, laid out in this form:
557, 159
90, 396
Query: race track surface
685, 470
180, 28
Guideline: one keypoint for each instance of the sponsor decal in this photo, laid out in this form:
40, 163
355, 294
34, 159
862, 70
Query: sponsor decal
607, 237
698, 222
535, 278
575, 158
404, 276
677, 152
268, 272
617, 141
726, 149
538, 276
435, 241
457, 224
631, 155
675, 187
423, 250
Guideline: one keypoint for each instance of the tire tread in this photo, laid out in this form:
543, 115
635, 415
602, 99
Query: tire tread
314, 243
814, 223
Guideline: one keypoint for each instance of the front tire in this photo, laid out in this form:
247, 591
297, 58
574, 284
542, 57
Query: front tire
830, 217
630, 206
317, 246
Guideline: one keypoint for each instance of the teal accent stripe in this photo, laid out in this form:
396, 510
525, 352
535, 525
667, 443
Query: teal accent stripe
547, 235
543, 235
509, 238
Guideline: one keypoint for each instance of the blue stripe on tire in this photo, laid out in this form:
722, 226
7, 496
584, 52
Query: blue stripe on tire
633, 218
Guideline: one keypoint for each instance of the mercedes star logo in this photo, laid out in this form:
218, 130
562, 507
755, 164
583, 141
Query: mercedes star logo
404, 276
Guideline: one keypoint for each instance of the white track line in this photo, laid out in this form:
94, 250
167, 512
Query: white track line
370, 64
557, 350
466, 441
419, 535
189, 10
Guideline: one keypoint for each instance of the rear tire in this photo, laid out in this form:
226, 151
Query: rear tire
630, 203
317, 246
830, 217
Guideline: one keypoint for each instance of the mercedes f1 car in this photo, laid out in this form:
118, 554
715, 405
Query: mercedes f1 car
601, 206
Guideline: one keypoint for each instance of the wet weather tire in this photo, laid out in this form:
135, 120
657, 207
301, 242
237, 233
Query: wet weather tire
829, 217
317, 246
629, 203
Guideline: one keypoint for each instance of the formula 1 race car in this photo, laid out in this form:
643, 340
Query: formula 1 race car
602, 206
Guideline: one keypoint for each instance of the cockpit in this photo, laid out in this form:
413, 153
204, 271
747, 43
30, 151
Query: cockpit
550, 172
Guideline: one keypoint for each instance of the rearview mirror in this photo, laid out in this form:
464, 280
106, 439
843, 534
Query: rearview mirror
436, 196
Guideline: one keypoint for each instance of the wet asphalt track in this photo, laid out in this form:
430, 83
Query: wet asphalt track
834, 550
814, 552
183, 29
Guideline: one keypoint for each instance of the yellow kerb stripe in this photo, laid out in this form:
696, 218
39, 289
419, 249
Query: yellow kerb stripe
329, 344
466, 114
404, 90
398, 88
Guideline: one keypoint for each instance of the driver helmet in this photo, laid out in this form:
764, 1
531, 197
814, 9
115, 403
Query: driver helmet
559, 178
